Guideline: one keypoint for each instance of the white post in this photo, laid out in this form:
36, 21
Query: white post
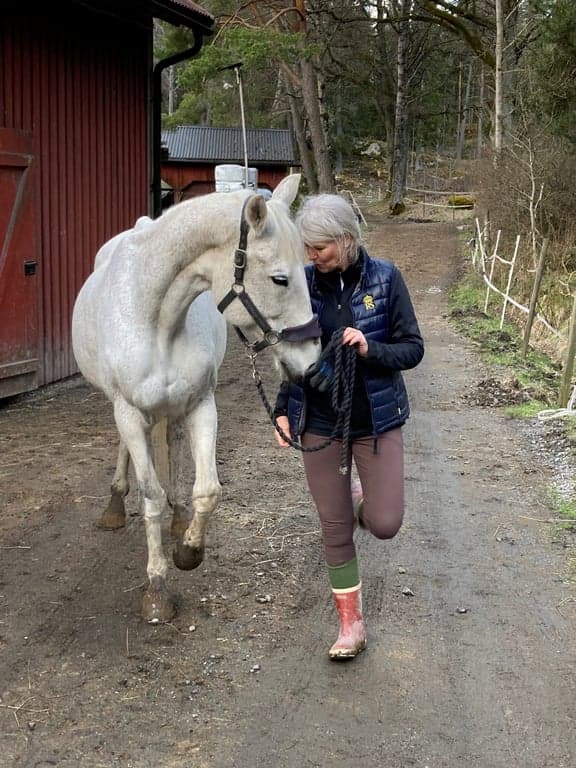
507, 294
494, 257
479, 248
239, 81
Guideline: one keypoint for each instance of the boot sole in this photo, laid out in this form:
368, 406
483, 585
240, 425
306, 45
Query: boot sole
345, 653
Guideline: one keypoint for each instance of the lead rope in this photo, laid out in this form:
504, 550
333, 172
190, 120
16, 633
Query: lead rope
342, 394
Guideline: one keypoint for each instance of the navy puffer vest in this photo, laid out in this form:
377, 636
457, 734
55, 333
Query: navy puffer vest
370, 310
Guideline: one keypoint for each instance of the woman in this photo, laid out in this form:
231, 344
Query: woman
369, 299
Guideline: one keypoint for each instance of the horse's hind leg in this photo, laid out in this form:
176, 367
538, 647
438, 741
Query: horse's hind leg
157, 604
114, 516
179, 473
202, 428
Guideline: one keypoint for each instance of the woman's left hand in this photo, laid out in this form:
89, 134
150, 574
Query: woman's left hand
355, 338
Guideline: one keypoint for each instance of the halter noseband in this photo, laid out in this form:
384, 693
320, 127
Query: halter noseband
295, 333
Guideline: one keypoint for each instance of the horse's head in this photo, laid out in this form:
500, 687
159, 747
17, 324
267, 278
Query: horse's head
269, 282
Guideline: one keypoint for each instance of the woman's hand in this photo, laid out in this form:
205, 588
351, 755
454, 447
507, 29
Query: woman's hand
355, 338
284, 425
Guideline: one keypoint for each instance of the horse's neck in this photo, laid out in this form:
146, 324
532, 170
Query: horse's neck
180, 258
189, 282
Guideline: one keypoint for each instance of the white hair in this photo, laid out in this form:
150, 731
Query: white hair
325, 217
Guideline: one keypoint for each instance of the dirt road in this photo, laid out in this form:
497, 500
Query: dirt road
471, 619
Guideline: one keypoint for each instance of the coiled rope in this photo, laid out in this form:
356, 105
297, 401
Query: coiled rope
342, 397
556, 413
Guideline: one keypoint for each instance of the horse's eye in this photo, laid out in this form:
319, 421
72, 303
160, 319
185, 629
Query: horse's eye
280, 280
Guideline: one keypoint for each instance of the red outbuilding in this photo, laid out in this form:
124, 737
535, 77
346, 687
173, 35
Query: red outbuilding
79, 159
193, 152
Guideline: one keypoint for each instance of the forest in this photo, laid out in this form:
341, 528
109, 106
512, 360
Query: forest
475, 96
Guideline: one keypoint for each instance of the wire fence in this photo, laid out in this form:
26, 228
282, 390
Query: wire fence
485, 263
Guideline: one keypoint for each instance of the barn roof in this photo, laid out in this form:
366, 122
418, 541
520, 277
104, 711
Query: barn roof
201, 143
182, 13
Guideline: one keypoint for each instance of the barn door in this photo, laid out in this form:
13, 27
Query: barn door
19, 277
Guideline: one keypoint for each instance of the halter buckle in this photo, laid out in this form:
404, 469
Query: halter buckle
240, 257
272, 337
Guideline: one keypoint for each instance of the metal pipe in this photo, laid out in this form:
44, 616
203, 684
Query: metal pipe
244, 139
189, 53
236, 68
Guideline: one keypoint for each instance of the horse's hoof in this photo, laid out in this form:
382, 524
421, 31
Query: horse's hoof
187, 558
114, 516
158, 605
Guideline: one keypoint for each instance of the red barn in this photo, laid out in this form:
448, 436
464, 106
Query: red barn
79, 159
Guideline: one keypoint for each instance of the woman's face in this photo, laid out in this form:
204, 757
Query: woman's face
327, 256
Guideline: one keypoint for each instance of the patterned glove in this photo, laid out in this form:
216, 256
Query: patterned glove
320, 375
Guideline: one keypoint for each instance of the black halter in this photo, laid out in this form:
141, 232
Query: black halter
295, 333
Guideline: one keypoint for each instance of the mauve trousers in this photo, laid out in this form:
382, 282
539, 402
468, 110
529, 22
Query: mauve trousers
381, 474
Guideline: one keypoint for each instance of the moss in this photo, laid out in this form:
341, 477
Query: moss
462, 201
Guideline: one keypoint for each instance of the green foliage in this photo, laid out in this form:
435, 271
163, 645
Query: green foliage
553, 61
210, 94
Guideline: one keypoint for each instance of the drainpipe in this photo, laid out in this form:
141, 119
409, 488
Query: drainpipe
189, 53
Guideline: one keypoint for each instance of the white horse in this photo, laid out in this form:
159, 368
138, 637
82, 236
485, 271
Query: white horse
147, 333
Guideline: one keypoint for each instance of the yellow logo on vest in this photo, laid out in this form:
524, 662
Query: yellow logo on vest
369, 301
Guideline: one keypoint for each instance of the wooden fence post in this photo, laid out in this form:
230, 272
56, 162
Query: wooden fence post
569, 364
534, 297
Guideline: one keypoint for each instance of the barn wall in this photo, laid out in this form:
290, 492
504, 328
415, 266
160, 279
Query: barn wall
191, 179
82, 93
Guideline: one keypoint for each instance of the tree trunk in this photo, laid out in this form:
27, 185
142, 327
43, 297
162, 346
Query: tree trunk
315, 127
463, 122
498, 99
400, 151
385, 102
479, 128
303, 148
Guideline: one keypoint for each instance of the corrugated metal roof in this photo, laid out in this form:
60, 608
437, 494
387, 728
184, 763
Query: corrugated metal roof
200, 143
185, 12
189, 5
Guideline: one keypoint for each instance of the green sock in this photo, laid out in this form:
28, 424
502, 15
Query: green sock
344, 576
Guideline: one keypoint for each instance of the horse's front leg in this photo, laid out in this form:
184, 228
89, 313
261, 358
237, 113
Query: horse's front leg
114, 516
202, 426
157, 604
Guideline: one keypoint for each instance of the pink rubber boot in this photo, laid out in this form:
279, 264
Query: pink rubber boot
352, 636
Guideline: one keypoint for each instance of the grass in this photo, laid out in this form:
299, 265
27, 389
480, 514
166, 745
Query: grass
567, 508
526, 410
536, 372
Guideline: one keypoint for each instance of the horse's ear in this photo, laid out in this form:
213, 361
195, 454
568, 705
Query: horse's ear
287, 189
256, 213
